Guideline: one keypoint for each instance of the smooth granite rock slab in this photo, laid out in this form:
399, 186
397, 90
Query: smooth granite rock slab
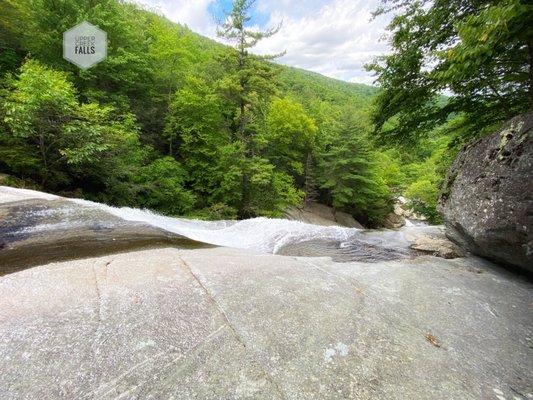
222, 323
133, 325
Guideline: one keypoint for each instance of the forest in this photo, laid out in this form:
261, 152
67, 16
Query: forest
185, 126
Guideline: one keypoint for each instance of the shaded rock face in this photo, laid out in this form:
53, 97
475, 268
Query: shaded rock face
35, 231
394, 221
488, 194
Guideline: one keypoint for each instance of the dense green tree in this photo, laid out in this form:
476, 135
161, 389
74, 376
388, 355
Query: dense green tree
480, 51
58, 141
250, 80
161, 187
196, 126
268, 191
37, 111
390, 170
348, 171
245, 136
247, 86
288, 137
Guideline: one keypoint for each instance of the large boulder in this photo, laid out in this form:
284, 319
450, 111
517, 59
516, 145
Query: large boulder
488, 194
321, 214
394, 221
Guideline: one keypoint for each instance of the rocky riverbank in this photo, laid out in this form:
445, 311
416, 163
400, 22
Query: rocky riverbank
181, 322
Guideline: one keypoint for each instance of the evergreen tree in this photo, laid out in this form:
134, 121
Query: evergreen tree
250, 81
348, 172
247, 87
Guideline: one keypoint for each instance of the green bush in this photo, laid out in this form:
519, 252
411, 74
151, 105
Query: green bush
161, 187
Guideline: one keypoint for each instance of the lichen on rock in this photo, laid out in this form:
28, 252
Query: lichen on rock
488, 193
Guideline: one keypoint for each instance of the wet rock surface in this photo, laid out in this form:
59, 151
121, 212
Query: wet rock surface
320, 214
437, 246
487, 202
222, 323
380, 245
346, 251
36, 230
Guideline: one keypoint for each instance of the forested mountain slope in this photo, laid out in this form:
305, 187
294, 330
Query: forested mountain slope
169, 121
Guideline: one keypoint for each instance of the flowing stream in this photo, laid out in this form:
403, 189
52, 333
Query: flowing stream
281, 236
39, 228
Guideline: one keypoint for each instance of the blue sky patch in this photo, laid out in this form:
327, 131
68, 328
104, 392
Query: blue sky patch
219, 8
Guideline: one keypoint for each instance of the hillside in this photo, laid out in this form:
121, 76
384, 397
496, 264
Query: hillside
307, 83
172, 121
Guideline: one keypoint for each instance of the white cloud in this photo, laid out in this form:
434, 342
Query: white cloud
193, 13
335, 38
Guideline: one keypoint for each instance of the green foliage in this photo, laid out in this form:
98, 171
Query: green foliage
249, 81
218, 211
161, 187
481, 51
195, 126
289, 136
270, 192
422, 196
250, 181
389, 169
251, 185
55, 140
42, 110
178, 123
349, 172
424, 174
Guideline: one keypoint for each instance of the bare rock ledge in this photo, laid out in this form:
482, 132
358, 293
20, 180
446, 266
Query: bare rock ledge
221, 323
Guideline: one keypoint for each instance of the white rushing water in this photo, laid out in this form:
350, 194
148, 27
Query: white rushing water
263, 234
260, 234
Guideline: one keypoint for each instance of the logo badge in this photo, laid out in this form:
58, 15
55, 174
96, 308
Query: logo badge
84, 45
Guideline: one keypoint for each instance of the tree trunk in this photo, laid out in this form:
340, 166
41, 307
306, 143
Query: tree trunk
530, 53
42, 149
311, 192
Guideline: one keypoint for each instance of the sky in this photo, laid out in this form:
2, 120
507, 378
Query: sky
332, 37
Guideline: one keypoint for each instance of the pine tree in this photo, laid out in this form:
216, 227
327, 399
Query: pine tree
247, 86
348, 172
252, 76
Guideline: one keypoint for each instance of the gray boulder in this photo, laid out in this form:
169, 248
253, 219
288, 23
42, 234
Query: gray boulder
394, 221
487, 197
345, 219
321, 214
